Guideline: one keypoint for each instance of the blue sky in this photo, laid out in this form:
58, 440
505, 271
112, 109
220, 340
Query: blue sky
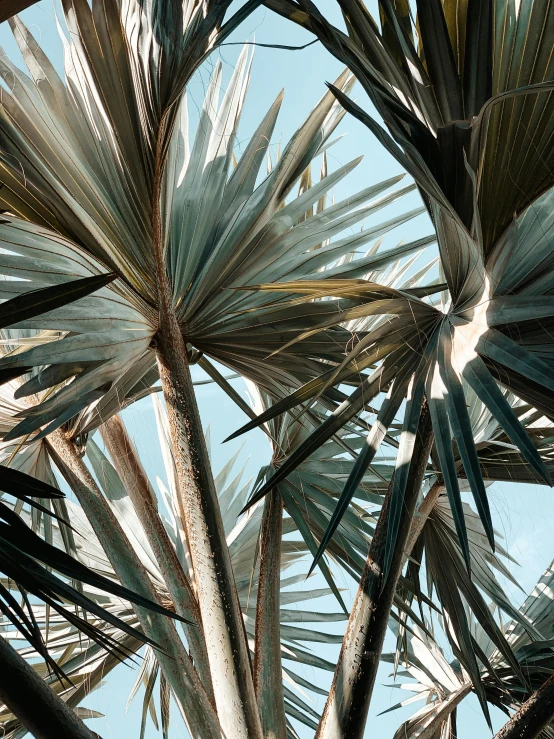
523, 514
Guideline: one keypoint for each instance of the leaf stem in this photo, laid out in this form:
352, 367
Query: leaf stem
420, 519
174, 660
268, 677
135, 481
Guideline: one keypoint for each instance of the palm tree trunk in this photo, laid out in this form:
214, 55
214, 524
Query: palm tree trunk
228, 651
41, 711
135, 481
533, 716
226, 643
420, 519
174, 659
268, 678
345, 712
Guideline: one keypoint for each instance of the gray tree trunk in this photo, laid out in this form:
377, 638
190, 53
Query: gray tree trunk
268, 678
533, 716
43, 713
135, 481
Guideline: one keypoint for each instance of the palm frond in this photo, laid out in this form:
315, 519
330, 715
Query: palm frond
223, 230
490, 340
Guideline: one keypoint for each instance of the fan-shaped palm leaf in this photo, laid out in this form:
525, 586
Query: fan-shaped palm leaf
127, 64
246, 237
178, 232
494, 337
465, 91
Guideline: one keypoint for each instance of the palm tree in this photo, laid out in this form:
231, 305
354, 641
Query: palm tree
111, 184
211, 263
26, 561
468, 108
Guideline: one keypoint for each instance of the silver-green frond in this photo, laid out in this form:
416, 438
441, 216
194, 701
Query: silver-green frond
223, 231
497, 338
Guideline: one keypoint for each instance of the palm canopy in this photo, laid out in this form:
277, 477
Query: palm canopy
437, 556
221, 230
201, 231
453, 128
127, 63
492, 338
450, 85
436, 563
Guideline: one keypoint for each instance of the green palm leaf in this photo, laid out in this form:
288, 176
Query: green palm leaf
222, 230
470, 348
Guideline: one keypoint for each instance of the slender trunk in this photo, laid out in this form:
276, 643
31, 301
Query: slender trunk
228, 651
143, 497
41, 711
420, 519
347, 705
533, 716
268, 678
174, 660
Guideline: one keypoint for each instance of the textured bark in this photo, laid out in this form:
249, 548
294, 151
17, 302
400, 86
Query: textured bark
224, 631
420, 519
174, 660
228, 651
533, 716
268, 678
43, 713
347, 705
143, 497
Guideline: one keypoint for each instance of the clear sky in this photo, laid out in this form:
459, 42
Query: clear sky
523, 514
